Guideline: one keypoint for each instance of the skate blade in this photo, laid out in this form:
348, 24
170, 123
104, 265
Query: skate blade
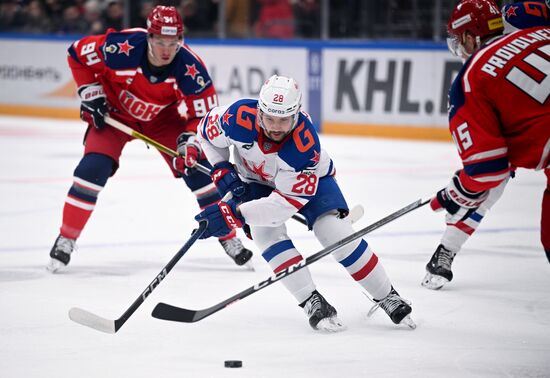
433, 282
408, 322
331, 325
54, 266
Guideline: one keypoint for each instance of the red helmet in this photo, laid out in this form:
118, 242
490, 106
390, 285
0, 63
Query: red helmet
481, 18
165, 21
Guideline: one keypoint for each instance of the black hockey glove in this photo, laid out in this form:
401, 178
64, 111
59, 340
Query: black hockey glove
93, 106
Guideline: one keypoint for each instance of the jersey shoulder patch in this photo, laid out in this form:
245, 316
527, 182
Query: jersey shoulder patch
190, 72
239, 121
125, 50
302, 149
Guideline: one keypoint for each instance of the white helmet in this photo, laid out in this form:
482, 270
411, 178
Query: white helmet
280, 97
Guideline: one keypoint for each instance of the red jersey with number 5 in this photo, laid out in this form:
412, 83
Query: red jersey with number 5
499, 108
135, 91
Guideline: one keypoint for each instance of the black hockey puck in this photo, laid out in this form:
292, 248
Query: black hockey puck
233, 363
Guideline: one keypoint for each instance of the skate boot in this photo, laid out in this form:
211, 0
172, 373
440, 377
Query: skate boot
60, 254
322, 316
396, 307
236, 250
438, 269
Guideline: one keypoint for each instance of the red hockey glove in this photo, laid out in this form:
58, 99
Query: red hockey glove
459, 202
189, 151
93, 105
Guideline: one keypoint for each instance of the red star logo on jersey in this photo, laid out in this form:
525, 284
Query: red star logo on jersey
191, 71
511, 11
226, 117
316, 158
259, 170
124, 48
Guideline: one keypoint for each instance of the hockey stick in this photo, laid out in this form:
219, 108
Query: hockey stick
354, 215
162, 148
112, 326
168, 151
168, 312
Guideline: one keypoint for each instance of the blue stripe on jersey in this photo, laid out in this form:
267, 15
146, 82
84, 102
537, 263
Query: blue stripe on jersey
356, 254
496, 165
456, 93
73, 54
476, 216
276, 249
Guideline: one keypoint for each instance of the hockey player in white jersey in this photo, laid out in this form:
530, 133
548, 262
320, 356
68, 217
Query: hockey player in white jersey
280, 169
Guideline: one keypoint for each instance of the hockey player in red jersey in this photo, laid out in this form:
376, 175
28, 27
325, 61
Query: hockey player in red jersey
153, 82
499, 113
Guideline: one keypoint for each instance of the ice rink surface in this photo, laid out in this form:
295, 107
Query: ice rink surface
493, 320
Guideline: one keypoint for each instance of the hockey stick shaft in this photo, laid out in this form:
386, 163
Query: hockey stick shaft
168, 151
91, 320
168, 312
201, 168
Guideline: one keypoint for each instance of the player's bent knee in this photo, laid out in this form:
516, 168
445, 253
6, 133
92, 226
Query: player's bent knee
265, 237
330, 228
95, 168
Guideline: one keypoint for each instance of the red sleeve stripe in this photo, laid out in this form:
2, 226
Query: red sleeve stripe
297, 204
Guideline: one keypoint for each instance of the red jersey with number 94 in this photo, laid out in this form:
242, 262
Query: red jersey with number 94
135, 92
499, 108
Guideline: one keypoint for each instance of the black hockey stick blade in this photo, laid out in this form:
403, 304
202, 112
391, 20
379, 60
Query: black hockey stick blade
99, 323
165, 311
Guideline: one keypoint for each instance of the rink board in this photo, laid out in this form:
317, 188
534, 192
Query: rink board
374, 89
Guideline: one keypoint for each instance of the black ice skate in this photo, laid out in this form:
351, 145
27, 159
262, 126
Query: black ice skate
396, 307
60, 254
237, 251
438, 269
322, 316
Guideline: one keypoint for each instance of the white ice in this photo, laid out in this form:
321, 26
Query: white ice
493, 320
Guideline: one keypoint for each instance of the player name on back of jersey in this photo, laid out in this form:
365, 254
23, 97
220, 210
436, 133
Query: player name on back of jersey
516, 45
